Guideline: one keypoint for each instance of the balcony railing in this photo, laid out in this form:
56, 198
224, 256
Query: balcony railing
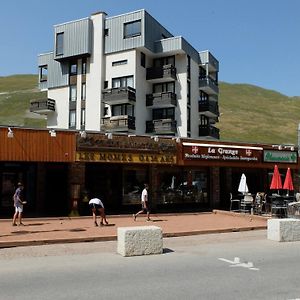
208, 85
161, 99
209, 131
119, 95
165, 72
42, 106
209, 108
122, 123
162, 126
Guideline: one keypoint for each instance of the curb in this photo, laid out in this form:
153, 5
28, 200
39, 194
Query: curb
114, 237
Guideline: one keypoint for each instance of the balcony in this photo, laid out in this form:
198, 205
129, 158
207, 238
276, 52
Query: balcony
42, 106
116, 96
122, 123
209, 131
161, 74
208, 85
208, 108
160, 100
162, 126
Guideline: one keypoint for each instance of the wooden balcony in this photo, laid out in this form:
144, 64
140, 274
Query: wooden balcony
162, 126
161, 74
209, 85
208, 108
42, 106
116, 96
209, 131
122, 123
160, 100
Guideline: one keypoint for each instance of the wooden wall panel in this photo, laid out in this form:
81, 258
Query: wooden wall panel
37, 145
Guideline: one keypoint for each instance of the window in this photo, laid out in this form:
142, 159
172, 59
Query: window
188, 92
122, 82
164, 87
83, 91
82, 122
159, 62
60, 43
163, 113
188, 119
189, 67
203, 96
123, 109
202, 73
43, 73
106, 32
119, 62
105, 84
72, 118
73, 68
143, 59
132, 29
73, 93
83, 66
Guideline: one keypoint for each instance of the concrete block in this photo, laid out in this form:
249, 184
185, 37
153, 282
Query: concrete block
284, 230
140, 240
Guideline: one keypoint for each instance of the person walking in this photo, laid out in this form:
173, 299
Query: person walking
18, 204
97, 205
145, 203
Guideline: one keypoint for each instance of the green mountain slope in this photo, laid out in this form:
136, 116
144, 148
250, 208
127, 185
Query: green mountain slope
247, 113
252, 114
15, 95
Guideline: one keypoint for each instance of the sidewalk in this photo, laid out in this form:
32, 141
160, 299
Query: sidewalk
40, 231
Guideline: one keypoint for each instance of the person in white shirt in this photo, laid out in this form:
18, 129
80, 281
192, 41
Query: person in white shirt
145, 203
97, 205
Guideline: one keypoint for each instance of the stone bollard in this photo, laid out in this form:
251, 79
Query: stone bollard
140, 240
284, 230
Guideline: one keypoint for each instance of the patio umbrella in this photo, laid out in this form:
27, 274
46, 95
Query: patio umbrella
243, 188
288, 182
276, 183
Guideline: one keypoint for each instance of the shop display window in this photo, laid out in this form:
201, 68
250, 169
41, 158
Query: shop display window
133, 184
188, 186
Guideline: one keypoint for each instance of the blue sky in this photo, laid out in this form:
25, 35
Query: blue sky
256, 41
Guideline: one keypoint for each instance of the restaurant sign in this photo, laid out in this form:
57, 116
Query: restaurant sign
124, 157
280, 156
216, 152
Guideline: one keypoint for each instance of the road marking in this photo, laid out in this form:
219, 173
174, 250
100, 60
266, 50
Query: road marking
237, 263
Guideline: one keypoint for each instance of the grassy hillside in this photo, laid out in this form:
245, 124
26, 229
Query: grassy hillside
247, 113
253, 114
15, 95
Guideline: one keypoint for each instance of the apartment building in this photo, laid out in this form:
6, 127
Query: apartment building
128, 74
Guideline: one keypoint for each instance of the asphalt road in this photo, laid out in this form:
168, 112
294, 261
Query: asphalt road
241, 265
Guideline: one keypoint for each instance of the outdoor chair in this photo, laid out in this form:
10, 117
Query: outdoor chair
279, 208
235, 204
246, 203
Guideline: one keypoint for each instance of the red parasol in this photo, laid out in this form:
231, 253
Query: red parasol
288, 182
276, 183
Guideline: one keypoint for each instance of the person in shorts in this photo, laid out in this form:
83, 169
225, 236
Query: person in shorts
18, 205
97, 205
145, 204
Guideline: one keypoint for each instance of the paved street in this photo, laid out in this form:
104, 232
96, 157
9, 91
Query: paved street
239, 265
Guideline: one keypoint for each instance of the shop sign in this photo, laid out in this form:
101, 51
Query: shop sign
216, 152
117, 157
280, 156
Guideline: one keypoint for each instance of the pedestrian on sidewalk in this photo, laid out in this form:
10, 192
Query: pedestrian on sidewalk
145, 203
97, 205
18, 204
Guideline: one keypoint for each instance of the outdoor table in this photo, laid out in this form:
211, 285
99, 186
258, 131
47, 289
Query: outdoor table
278, 206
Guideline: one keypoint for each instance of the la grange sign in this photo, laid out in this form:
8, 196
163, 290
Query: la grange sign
210, 152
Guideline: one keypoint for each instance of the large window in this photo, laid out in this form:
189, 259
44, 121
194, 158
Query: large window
159, 62
73, 92
123, 109
60, 43
82, 122
83, 91
83, 66
72, 118
122, 82
132, 29
43, 73
163, 113
164, 87
73, 68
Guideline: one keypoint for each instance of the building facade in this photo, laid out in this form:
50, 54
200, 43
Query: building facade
128, 74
